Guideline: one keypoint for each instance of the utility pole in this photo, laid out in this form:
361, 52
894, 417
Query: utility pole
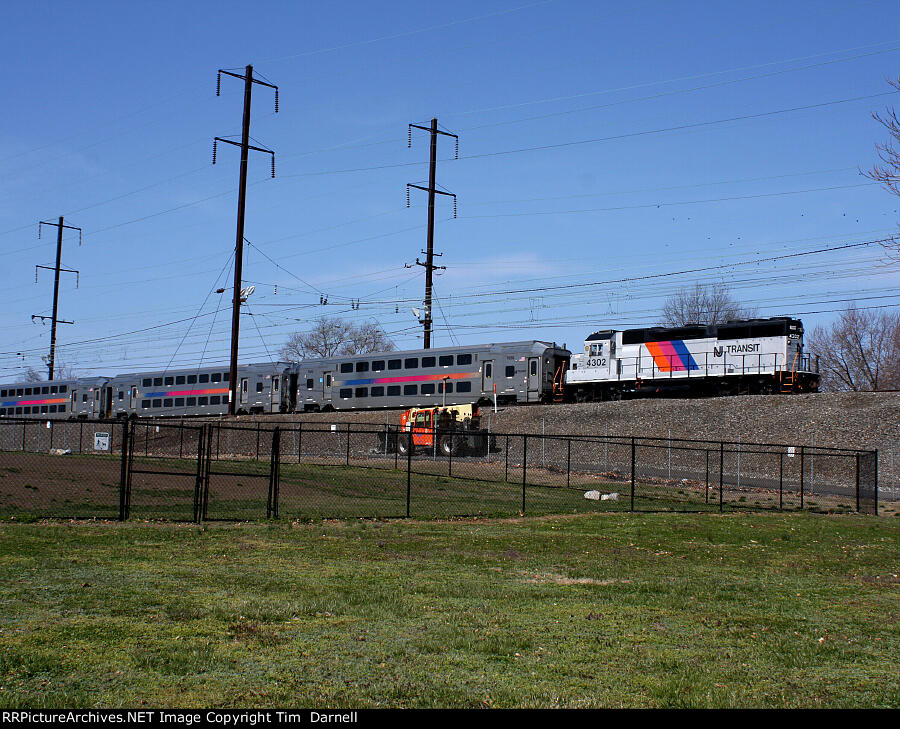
56, 269
245, 146
429, 266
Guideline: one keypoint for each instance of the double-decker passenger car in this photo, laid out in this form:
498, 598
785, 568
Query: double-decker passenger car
737, 357
517, 372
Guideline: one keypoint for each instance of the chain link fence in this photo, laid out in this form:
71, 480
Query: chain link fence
192, 471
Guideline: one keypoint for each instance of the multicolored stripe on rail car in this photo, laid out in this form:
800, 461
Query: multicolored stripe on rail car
410, 378
51, 401
671, 356
187, 393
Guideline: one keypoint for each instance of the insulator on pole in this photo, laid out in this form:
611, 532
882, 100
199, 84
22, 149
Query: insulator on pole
454, 206
407, 196
273, 166
77, 279
409, 137
35, 274
276, 101
215, 142
80, 237
218, 83
456, 154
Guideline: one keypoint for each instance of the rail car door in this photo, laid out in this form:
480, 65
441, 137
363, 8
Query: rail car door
244, 388
487, 376
275, 404
326, 386
133, 397
106, 402
534, 378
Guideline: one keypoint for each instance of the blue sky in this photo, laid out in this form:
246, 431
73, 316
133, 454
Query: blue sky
602, 144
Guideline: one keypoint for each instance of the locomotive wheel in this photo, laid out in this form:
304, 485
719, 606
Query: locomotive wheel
405, 445
447, 445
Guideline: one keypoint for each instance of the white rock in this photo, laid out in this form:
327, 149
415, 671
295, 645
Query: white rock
593, 495
610, 497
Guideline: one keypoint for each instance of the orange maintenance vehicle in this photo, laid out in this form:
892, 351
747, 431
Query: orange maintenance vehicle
449, 430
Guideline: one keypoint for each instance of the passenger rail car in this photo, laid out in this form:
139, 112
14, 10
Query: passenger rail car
517, 372
739, 357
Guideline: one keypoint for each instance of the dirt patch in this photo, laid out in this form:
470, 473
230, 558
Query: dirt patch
541, 578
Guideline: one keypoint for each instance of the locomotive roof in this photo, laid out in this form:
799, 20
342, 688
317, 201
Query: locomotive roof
694, 331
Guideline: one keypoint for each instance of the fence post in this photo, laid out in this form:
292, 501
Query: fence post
299, 442
506, 468
450, 454
875, 479
721, 472
24, 423
130, 467
706, 450
802, 469
409, 451
396, 449
181, 439
198, 479
857, 482
524, 468
207, 467
51, 435
123, 471
257, 443
568, 462
348, 444
275, 459
780, 481
632, 475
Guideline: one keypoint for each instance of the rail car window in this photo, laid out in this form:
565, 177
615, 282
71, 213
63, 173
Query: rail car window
464, 387
27, 390
43, 409
84, 397
202, 401
215, 400
226, 376
62, 409
192, 402
510, 371
45, 391
145, 404
429, 361
346, 392
411, 364
377, 392
18, 411
62, 388
393, 390
394, 364
346, 367
53, 408
445, 386
157, 381
52, 389
169, 381
378, 365
3, 410
309, 383
464, 359
410, 389
2, 393
179, 380
19, 392
146, 382
157, 403
215, 377
179, 402
259, 386
192, 379
362, 391
362, 366
203, 378
445, 360
534, 369
167, 403
428, 389
121, 395
27, 410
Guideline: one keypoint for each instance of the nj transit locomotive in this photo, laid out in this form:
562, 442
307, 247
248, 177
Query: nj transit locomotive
751, 356
748, 356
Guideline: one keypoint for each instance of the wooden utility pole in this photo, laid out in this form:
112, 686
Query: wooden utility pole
51, 362
242, 202
432, 190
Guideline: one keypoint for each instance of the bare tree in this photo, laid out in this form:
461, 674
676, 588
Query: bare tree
703, 304
332, 336
60, 372
860, 351
887, 172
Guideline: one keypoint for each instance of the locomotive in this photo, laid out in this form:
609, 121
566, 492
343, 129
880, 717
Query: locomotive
737, 357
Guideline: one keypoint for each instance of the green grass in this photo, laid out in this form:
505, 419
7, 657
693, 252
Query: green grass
590, 610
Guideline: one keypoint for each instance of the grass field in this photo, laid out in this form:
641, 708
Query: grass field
590, 610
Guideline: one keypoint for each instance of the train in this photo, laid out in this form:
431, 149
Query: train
738, 357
